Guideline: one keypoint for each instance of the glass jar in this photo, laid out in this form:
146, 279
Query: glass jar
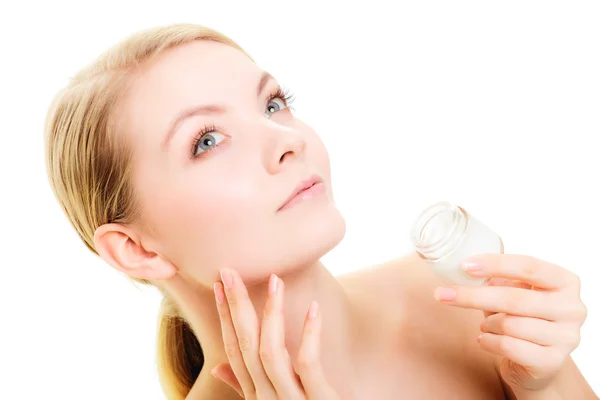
444, 235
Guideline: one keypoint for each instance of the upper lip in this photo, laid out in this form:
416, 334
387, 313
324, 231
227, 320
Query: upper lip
305, 184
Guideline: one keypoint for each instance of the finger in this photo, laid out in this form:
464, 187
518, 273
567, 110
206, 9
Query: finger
309, 364
226, 374
247, 330
508, 283
536, 359
509, 300
535, 330
524, 268
230, 341
505, 282
273, 353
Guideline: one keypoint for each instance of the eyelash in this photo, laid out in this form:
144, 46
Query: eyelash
282, 93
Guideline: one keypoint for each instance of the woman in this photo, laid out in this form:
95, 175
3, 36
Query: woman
179, 162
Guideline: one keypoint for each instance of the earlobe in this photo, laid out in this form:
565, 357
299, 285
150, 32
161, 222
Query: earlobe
121, 248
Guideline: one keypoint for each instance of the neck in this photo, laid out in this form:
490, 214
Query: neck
340, 322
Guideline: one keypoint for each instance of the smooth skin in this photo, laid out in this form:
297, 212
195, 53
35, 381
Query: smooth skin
532, 315
257, 352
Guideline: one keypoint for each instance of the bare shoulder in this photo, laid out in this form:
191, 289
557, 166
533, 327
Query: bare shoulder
406, 285
401, 290
400, 279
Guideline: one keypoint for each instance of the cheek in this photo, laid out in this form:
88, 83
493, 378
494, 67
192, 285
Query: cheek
202, 223
217, 204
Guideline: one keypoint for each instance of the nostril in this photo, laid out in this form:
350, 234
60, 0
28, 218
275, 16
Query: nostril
285, 154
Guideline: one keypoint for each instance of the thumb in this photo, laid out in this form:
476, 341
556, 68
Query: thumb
224, 373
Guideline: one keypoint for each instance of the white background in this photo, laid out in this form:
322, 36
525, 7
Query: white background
493, 105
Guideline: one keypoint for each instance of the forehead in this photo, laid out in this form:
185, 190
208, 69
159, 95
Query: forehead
197, 73
199, 70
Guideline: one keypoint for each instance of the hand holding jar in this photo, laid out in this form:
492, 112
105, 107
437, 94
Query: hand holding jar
532, 309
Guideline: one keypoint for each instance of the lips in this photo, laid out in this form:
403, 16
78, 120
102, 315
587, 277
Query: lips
301, 187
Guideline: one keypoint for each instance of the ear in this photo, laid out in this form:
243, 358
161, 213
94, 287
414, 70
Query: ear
121, 247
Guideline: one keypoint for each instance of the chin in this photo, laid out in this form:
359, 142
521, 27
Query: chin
310, 238
295, 245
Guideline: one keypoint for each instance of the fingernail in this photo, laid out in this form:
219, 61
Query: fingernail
220, 296
272, 283
479, 338
312, 311
227, 278
472, 266
445, 294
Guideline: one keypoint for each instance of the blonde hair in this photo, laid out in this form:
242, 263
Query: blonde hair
88, 165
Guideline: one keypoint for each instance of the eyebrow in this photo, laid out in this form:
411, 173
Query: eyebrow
210, 109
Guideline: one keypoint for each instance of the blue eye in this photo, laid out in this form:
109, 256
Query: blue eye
274, 106
207, 140
278, 101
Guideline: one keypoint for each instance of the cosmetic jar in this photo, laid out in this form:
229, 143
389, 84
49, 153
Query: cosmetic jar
444, 235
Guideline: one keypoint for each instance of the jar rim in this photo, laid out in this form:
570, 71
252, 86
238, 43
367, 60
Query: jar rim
426, 216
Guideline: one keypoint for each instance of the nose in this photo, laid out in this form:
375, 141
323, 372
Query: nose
287, 145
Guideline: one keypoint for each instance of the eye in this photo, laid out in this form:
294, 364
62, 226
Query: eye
207, 142
279, 100
274, 106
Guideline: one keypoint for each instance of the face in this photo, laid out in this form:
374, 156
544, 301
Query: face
212, 185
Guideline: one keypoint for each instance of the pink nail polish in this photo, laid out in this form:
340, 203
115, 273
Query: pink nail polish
472, 266
445, 294
312, 311
227, 278
273, 283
